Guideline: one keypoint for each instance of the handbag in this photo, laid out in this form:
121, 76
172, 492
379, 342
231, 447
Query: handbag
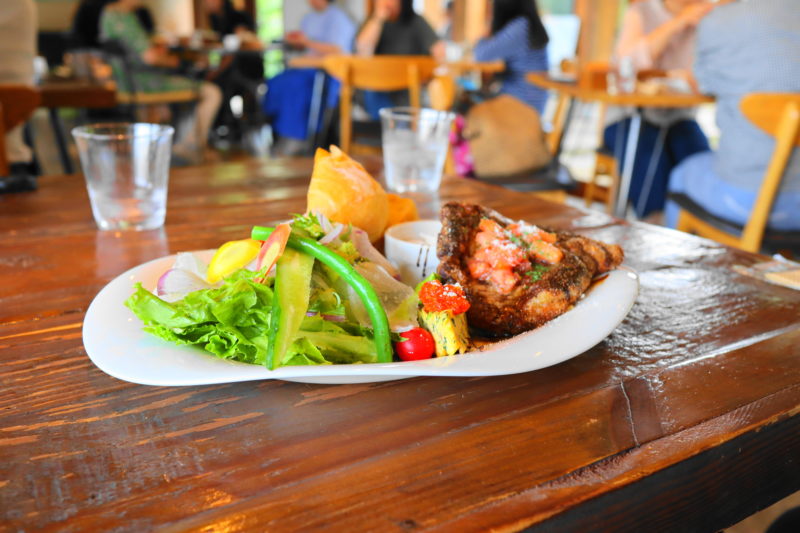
505, 137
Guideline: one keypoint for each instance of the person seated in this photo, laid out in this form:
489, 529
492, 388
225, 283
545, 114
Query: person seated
241, 70
225, 19
119, 22
325, 30
17, 51
445, 30
85, 29
394, 28
657, 34
726, 182
519, 39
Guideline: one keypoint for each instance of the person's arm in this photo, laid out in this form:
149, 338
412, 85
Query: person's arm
645, 48
504, 43
157, 56
319, 48
429, 41
438, 51
135, 39
367, 39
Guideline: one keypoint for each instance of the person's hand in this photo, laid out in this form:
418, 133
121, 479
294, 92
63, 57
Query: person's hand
296, 39
248, 39
383, 10
692, 14
160, 57
153, 55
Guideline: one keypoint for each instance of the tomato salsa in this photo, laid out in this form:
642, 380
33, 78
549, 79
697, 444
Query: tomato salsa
504, 254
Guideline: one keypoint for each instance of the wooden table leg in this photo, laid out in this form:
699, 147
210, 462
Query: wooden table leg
315, 111
647, 186
627, 169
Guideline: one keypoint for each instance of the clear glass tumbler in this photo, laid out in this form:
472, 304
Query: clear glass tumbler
415, 142
126, 167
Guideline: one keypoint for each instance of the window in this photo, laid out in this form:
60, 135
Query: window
269, 20
555, 7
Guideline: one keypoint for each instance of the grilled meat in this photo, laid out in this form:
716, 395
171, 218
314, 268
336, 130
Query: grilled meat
515, 275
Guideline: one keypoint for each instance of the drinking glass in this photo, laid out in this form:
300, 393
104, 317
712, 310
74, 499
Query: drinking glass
126, 167
622, 77
414, 147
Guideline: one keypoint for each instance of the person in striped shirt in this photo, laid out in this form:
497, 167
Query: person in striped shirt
518, 38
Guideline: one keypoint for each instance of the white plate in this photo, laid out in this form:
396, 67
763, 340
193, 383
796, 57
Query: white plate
115, 342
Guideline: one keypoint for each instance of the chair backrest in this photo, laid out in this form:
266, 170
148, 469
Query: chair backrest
379, 73
558, 121
442, 92
778, 114
17, 104
114, 50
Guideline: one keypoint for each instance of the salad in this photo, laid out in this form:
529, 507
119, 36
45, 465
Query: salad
308, 292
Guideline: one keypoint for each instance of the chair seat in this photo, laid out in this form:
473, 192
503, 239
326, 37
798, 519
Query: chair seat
166, 97
773, 239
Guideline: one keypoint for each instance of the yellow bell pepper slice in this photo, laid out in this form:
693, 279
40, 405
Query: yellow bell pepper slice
230, 257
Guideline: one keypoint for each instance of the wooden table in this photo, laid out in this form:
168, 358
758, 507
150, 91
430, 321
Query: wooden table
450, 69
637, 100
56, 94
488, 67
684, 419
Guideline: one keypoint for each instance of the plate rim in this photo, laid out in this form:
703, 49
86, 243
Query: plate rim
94, 344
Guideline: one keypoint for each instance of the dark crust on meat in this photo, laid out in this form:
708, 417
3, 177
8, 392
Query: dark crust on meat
529, 304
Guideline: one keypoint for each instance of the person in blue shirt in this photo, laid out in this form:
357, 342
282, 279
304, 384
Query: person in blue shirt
742, 48
519, 39
325, 30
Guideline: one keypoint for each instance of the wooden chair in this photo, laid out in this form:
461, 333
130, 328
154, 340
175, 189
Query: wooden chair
442, 92
17, 104
594, 76
778, 114
379, 73
129, 94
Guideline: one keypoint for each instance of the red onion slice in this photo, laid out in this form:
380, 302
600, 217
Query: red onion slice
324, 222
360, 240
330, 318
176, 283
333, 234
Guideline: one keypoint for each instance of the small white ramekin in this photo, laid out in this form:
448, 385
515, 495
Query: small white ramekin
411, 247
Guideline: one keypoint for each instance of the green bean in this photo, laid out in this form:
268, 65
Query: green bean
364, 290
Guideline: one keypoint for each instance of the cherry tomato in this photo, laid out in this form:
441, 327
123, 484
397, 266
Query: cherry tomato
418, 344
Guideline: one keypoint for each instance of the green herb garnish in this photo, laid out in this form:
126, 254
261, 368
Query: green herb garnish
537, 272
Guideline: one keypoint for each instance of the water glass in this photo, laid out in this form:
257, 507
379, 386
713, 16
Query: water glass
415, 145
126, 167
622, 77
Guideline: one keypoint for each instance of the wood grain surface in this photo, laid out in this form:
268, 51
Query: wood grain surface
666, 98
684, 419
70, 93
